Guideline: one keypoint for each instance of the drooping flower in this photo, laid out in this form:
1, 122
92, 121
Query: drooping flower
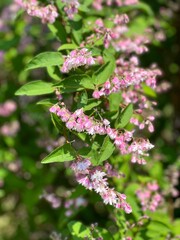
71, 7
149, 196
47, 14
77, 58
7, 108
124, 141
95, 178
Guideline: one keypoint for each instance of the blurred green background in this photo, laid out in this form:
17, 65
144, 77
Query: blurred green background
31, 194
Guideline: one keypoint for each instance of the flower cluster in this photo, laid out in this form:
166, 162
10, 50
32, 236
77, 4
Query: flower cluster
7, 108
110, 35
94, 178
149, 197
77, 58
129, 78
10, 129
136, 44
128, 74
146, 122
112, 172
123, 140
117, 38
47, 14
71, 7
172, 176
139, 100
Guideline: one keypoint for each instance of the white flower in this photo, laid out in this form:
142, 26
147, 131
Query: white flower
82, 166
98, 176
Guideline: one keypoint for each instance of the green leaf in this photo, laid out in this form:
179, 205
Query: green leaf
78, 230
91, 104
124, 117
176, 228
57, 123
76, 26
87, 3
104, 72
140, 6
58, 30
149, 91
156, 171
82, 99
114, 101
83, 9
6, 45
106, 150
75, 83
158, 226
47, 102
67, 46
145, 7
54, 72
139, 25
160, 216
108, 54
132, 199
61, 154
45, 59
35, 88
78, 191
91, 152
144, 179
95, 51
84, 152
103, 234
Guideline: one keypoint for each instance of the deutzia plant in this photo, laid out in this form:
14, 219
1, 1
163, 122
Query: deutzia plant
102, 101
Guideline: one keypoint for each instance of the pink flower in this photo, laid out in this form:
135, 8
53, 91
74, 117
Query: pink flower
112, 133
119, 140
48, 14
153, 186
96, 94
109, 197
54, 109
77, 58
71, 7
98, 176
94, 178
127, 208
7, 108
124, 141
84, 180
149, 197
10, 129
82, 166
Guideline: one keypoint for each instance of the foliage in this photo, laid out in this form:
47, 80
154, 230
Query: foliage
74, 155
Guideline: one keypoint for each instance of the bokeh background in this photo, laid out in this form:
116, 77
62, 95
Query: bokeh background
32, 195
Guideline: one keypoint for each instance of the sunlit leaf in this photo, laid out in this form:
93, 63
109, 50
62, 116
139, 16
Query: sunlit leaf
61, 154
45, 59
125, 116
35, 88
